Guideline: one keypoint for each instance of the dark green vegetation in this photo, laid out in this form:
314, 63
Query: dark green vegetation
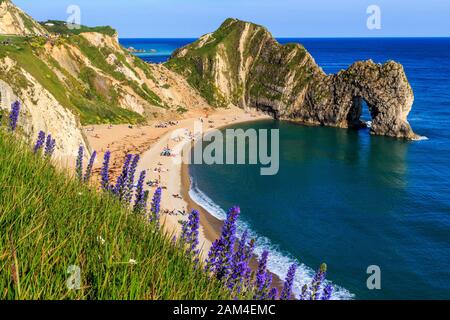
50, 222
60, 27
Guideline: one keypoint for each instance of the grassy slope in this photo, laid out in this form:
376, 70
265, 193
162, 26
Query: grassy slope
78, 95
83, 101
50, 222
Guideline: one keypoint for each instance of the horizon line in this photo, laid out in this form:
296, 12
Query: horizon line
311, 37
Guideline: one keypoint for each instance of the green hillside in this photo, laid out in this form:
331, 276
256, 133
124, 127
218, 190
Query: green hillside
50, 222
90, 103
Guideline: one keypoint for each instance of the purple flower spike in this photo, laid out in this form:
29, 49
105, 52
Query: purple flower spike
121, 183
189, 234
261, 277
287, 288
220, 255
14, 115
128, 192
155, 206
304, 294
317, 281
140, 202
79, 164
88, 173
239, 264
105, 171
49, 146
273, 294
39, 142
327, 291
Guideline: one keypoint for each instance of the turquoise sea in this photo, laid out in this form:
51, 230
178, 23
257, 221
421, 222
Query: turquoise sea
344, 197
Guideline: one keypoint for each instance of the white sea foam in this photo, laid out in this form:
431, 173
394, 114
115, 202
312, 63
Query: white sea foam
279, 261
421, 138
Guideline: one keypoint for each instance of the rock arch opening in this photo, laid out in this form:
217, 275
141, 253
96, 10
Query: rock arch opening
361, 113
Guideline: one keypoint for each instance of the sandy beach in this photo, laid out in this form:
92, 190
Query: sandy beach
167, 172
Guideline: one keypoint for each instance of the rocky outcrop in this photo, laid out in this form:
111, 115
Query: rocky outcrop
14, 21
242, 64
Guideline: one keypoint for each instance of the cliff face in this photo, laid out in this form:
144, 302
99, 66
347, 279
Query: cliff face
41, 111
242, 64
14, 21
66, 79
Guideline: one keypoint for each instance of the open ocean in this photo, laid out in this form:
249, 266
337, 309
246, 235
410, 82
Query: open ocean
344, 197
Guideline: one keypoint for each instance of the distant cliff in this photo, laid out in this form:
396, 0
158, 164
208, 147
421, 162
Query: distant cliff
68, 78
242, 64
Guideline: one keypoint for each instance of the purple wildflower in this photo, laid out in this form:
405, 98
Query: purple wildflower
288, 283
304, 294
49, 146
14, 115
39, 142
121, 183
213, 254
155, 206
317, 281
261, 277
220, 255
247, 278
105, 171
189, 234
128, 192
240, 264
273, 294
327, 291
139, 202
88, 173
79, 164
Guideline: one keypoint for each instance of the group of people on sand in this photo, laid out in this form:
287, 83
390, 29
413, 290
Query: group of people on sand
160, 169
155, 183
166, 124
174, 212
167, 152
177, 196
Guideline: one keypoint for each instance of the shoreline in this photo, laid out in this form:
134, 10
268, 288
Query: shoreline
149, 141
212, 226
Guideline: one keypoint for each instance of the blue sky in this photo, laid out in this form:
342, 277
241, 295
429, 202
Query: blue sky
284, 18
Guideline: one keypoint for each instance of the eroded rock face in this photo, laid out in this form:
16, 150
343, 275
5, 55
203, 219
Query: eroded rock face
385, 90
41, 111
14, 21
242, 64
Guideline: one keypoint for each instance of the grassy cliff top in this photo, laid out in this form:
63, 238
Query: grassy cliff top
60, 27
